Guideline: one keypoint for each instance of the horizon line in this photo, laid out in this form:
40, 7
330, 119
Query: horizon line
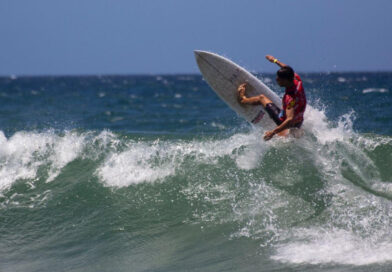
15, 76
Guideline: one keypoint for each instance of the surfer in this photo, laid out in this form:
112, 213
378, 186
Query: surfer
291, 116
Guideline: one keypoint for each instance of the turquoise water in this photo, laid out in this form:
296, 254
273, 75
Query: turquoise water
155, 173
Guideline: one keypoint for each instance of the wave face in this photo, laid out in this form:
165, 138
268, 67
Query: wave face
144, 175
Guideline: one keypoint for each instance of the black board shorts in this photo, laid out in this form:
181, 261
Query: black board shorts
274, 112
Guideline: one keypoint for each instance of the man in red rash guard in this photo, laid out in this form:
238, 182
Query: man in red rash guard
293, 102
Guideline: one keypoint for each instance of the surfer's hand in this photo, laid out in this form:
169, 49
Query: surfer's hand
268, 135
270, 58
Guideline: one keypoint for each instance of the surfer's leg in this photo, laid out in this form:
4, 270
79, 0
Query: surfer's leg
284, 133
274, 112
243, 99
264, 100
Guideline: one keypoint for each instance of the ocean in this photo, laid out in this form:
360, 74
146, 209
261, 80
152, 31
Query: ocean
156, 173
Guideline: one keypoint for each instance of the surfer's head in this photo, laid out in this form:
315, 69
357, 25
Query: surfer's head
285, 76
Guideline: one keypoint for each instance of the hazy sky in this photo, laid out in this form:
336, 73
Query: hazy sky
159, 36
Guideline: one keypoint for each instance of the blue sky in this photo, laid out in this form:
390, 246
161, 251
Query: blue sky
53, 37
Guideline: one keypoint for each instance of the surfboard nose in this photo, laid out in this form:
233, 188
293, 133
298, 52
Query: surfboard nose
200, 53
197, 53
199, 56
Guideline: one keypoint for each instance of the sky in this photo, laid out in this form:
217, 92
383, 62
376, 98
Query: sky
84, 37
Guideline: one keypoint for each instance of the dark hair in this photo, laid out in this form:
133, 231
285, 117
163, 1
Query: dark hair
286, 72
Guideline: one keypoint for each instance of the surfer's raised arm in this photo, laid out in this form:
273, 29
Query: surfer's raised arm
275, 60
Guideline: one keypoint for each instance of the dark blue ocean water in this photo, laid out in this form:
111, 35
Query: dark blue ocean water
155, 173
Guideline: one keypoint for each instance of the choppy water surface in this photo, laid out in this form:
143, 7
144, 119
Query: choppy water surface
155, 173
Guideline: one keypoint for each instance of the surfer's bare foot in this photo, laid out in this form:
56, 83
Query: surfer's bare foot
241, 91
242, 87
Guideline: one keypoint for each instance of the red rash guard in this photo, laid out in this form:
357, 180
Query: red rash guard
294, 97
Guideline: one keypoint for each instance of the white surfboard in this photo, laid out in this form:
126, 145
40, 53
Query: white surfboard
224, 77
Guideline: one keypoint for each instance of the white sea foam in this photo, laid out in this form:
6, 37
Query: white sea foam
317, 124
153, 161
65, 150
342, 79
218, 125
136, 165
252, 153
375, 90
17, 156
318, 246
25, 152
356, 231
